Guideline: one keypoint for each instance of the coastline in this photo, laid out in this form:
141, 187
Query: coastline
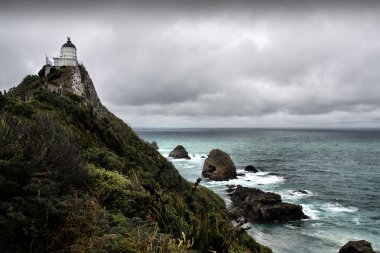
272, 177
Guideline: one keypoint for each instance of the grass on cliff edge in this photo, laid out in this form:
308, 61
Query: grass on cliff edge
72, 182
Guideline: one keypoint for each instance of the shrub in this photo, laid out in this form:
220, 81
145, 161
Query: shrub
103, 158
41, 73
18, 108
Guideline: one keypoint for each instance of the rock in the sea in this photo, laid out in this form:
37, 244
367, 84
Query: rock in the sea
154, 144
251, 168
219, 166
179, 152
264, 207
361, 246
301, 192
230, 188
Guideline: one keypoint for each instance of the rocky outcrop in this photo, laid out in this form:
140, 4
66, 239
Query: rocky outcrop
219, 166
230, 188
263, 207
251, 168
74, 79
179, 152
154, 145
77, 84
361, 246
87, 89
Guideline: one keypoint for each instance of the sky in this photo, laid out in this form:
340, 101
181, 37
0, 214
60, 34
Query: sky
210, 63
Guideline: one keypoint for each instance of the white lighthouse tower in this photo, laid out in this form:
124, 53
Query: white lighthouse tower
68, 55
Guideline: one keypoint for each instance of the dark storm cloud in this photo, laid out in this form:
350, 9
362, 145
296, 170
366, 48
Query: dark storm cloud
213, 62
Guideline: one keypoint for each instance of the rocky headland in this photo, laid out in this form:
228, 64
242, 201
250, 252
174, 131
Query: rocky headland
75, 178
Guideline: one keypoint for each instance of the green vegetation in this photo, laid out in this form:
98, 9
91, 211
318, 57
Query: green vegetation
74, 182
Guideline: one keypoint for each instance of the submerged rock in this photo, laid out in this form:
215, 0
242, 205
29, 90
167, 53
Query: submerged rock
219, 166
179, 152
251, 168
301, 192
361, 246
264, 207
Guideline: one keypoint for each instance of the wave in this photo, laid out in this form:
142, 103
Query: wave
250, 180
297, 194
311, 211
196, 159
319, 211
339, 208
264, 179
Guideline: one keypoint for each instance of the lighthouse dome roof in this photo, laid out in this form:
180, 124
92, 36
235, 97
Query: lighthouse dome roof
69, 44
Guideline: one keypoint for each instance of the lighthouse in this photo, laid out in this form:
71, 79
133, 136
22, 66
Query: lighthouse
68, 56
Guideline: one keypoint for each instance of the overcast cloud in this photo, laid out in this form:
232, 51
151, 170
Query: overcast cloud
231, 64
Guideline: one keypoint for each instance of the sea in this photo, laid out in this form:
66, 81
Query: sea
338, 168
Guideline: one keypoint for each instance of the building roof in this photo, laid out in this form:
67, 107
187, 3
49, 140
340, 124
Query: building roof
68, 43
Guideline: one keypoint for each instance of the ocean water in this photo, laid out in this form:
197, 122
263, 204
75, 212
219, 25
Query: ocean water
340, 170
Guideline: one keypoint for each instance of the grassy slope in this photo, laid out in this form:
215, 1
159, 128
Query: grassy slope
70, 181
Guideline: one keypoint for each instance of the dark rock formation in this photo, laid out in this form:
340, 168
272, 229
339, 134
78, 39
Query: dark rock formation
361, 246
251, 168
203, 156
154, 145
219, 166
230, 188
240, 174
264, 207
179, 152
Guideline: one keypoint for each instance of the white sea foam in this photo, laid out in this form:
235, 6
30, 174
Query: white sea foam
250, 180
186, 166
290, 226
176, 159
338, 208
197, 158
294, 194
260, 173
228, 201
318, 224
319, 211
165, 150
263, 178
311, 211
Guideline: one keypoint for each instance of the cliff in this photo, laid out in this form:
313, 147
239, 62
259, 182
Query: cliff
75, 178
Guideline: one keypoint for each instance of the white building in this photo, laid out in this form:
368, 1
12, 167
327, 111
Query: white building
68, 56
